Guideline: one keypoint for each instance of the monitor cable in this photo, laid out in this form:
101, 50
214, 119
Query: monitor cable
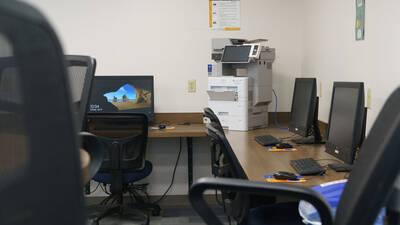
173, 174
276, 109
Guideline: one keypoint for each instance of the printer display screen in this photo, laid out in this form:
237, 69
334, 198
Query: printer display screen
236, 54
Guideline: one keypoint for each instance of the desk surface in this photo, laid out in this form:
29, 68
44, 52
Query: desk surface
192, 130
257, 162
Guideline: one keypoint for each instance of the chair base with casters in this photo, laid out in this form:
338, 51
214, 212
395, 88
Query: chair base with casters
114, 204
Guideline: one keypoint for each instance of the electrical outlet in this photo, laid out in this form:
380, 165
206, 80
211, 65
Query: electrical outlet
369, 98
192, 86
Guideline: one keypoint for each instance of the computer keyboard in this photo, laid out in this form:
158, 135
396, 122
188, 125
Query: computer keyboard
267, 140
307, 166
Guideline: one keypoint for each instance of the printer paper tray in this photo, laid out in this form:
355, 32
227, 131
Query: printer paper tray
222, 95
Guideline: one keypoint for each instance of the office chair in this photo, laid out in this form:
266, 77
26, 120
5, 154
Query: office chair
209, 113
40, 175
216, 154
236, 205
370, 187
125, 139
81, 70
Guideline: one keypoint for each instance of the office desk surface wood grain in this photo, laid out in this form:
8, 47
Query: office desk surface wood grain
192, 130
257, 161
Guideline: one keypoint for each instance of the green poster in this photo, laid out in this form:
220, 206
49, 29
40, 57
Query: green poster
360, 19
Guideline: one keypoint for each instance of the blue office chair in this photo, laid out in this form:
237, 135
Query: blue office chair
125, 139
370, 187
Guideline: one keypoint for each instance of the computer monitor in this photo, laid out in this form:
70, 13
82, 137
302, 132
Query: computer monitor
346, 129
304, 112
122, 94
236, 54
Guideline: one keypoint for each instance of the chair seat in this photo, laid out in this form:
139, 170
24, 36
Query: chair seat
127, 177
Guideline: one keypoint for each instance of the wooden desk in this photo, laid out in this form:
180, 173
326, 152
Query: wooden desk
186, 131
257, 162
192, 130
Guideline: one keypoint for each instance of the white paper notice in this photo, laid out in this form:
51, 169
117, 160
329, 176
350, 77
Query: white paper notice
224, 14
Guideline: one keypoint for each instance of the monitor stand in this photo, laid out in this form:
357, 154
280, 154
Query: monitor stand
316, 139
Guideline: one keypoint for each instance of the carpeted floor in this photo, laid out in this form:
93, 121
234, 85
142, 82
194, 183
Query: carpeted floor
171, 215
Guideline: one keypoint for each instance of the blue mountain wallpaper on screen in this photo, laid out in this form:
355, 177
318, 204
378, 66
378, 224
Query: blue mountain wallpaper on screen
124, 93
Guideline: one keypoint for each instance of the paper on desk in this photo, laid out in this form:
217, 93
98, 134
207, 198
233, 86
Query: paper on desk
271, 179
274, 149
166, 128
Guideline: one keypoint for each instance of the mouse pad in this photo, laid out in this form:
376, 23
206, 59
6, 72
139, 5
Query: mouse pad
274, 149
271, 179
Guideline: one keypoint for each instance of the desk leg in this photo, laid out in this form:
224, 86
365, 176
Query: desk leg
189, 141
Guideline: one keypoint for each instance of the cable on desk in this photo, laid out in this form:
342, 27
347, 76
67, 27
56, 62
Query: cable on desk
173, 174
334, 160
288, 137
276, 109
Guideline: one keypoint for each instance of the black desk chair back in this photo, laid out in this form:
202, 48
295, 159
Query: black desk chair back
370, 186
125, 139
209, 113
227, 165
81, 70
40, 177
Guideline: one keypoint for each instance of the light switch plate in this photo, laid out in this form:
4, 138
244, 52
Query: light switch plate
192, 86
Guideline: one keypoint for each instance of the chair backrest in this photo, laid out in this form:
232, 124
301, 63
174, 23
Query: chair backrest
209, 113
124, 137
40, 177
375, 170
81, 70
226, 149
229, 166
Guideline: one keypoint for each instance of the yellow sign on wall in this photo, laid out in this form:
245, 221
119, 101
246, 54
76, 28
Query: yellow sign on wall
224, 15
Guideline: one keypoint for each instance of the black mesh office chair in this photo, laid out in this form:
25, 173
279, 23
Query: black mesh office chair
40, 176
209, 113
216, 154
81, 70
371, 183
236, 205
125, 139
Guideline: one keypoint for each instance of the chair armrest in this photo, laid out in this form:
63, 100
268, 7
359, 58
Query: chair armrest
259, 188
95, 149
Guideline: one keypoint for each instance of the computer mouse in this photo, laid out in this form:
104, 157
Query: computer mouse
283, 145
162, 126
281, 175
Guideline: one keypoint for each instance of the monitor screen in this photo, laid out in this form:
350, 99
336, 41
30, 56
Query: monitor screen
122, 94
303, 103
236, 54
345, 120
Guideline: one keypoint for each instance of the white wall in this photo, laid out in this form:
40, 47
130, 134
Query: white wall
332, 54
171, 40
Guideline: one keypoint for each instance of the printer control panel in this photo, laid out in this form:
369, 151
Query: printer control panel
255, 50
